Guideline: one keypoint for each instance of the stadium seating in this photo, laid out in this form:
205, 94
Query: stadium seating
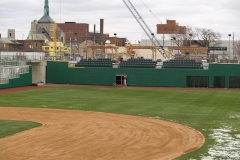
9, 63
101, 62
138, 63
182, 64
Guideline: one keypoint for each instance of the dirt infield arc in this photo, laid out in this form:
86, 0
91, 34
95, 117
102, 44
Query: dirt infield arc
83, 135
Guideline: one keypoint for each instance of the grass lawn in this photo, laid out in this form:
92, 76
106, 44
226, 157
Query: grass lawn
215, 113
11, 127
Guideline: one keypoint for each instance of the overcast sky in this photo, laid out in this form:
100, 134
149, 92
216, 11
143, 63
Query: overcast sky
219, 15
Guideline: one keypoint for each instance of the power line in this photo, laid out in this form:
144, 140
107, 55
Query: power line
151, 11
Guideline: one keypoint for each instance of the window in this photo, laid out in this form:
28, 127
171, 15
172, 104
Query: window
218, 48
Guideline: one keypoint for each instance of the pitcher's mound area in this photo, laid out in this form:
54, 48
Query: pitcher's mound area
82, 135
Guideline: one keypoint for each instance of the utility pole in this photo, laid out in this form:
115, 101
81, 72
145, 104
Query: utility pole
233, 47
229, 46
70, 49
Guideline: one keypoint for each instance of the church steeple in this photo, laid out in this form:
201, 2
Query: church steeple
46, 8
46, 18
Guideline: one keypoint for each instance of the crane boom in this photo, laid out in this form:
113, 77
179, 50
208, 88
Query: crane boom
145, 27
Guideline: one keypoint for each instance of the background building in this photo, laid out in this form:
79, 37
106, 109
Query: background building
170, 28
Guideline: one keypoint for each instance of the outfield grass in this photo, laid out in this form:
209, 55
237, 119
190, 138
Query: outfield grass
8, 128
204, 110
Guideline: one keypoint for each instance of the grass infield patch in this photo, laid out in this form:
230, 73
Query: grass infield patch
207, 111
8, 128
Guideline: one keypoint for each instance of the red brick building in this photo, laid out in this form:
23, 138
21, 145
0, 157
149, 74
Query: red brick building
79, 32
170, 28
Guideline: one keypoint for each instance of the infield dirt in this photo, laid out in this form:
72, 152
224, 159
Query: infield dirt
83, 135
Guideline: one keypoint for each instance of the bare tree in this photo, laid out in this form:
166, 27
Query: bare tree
207, 36
180, 39
202, 35
237, 49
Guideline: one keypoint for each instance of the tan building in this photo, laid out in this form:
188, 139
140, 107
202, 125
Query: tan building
171, 28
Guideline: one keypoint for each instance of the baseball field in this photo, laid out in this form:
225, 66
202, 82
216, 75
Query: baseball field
120, 122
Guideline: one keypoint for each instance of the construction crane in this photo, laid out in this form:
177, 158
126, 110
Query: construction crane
145, 27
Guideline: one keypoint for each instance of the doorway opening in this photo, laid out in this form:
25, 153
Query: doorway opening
121, 80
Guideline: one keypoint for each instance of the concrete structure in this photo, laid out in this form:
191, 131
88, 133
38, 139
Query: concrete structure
39, 72
215, 52
11, 33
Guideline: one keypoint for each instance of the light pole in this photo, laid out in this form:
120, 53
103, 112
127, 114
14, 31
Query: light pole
229, 45
152, 38
234, 57
174, 38
115, 34
70, 49
22, 36
213, 48
190, 35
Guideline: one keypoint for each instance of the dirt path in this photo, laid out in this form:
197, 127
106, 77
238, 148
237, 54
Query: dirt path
82, 135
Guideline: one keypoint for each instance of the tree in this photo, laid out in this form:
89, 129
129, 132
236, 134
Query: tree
237, 49
203, 36
180, 39
208, 36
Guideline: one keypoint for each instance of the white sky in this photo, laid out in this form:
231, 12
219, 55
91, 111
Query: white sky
220, 15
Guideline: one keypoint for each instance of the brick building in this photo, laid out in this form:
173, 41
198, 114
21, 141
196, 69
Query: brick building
79, 32
170, 28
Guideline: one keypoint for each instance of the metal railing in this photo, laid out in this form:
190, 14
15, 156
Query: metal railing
11, 72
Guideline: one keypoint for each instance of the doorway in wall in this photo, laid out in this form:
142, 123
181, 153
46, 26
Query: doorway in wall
121, 79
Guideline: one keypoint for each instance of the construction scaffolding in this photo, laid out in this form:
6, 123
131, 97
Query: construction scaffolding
193, 51
104, 47
153, 48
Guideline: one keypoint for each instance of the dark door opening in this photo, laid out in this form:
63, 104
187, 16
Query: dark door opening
121, 80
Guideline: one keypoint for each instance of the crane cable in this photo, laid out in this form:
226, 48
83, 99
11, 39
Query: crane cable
151, 11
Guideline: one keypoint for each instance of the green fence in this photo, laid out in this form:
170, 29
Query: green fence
60, 73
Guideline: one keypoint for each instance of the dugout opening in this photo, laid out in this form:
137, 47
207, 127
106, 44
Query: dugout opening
121, 79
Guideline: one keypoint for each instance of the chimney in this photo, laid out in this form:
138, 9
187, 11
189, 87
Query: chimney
101, 26
0, 35
94, 29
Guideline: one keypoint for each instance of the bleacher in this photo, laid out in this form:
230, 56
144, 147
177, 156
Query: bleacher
100, 62
11, 70
138, 63
8, 63
182, 64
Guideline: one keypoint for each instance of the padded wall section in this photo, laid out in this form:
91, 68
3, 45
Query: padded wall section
59, 72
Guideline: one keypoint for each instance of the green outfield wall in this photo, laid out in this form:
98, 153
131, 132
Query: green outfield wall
218, 75
24, 80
